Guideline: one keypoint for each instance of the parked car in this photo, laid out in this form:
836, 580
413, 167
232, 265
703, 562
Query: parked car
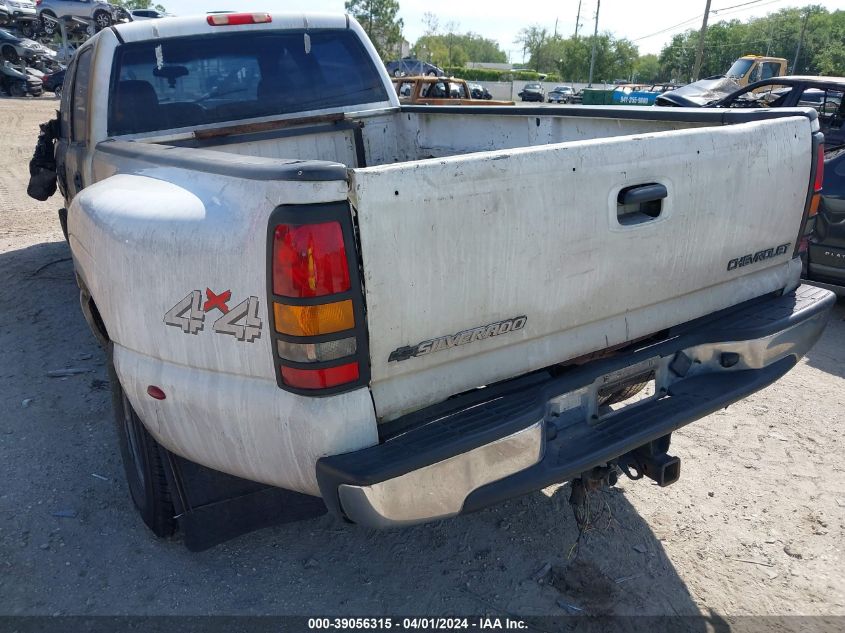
249, 362
146, 14
53, 82
477, 91
440, 91
408, 66
14, 48
533, 92
18, 84
101, 14
561, 94
18, 9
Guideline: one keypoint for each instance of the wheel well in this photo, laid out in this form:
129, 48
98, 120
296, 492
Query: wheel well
92, 315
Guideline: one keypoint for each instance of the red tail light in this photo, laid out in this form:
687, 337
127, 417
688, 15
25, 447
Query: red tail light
316, 305
320, 378
817, 185
309, 260
38, 3
234, 19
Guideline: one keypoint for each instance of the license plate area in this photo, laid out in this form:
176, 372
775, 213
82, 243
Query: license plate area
607, 396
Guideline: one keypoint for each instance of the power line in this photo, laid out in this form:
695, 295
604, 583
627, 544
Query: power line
700, 15
744, 4
727, 12
668, 28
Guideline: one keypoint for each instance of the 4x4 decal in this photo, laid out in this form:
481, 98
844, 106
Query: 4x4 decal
242, 321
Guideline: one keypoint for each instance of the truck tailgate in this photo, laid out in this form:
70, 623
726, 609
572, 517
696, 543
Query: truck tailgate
485, 266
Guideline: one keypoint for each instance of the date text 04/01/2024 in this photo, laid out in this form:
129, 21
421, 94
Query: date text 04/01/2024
417, 623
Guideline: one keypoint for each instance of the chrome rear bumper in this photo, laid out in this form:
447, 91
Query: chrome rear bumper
529, 433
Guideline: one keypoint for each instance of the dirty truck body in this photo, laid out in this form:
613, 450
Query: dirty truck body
413, 312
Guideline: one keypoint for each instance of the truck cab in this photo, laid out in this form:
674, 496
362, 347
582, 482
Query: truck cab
750, 68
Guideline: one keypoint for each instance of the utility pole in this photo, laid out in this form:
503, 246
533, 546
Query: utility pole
578, 19
800, 41
771, 35
556, 19
595, 37
699, 54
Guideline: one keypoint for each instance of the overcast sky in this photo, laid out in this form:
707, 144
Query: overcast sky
651, 23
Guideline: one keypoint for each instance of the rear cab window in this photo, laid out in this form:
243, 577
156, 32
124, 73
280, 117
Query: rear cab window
199, 80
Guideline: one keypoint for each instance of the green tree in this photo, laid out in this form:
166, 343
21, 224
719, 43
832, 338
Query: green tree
647, 69
570, 57
533, 39
831, 61
455, 49
776, 34
379, 20
129, 5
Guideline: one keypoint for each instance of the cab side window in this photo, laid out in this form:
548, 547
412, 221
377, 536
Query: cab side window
79, 110
770, 69
64, 108
831, 109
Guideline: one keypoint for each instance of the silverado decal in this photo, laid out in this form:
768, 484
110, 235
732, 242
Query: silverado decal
189, 315
461, 338
768, 253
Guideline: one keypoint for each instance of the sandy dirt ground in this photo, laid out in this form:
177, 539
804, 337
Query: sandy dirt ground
754, 526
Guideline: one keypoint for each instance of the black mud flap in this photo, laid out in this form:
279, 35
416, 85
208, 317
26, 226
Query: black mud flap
213, 507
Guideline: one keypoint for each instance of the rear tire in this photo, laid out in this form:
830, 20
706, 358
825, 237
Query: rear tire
624, 393
49, 27
10, 54
17, 89
102, 20
28, 28
143, 464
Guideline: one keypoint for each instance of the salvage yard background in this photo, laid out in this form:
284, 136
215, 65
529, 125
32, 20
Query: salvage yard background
754, 526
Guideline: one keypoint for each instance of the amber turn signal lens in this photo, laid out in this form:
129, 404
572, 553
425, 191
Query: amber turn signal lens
814, 205
314, 320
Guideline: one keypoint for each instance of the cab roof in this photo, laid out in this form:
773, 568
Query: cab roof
144, 30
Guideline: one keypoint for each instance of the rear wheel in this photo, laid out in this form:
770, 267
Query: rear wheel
28, 28
50, 27
102, 19
17, 89
143, 464
628, 391
58, 91
10, 54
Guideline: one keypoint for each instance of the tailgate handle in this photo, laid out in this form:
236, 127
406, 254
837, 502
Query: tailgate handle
642, 193
640, 203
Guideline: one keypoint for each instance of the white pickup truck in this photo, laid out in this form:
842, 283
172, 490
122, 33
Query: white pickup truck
404, 313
